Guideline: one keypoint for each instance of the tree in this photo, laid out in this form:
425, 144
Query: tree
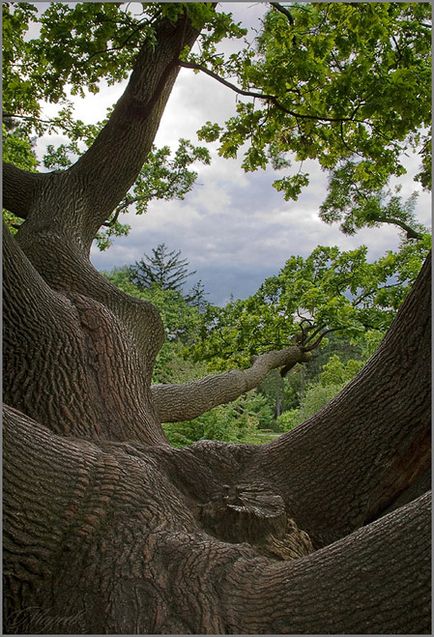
329, 291
108, 529
348, 84
164, 268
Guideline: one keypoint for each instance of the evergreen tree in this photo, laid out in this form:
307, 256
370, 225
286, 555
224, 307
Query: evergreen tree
164, 268
196, 297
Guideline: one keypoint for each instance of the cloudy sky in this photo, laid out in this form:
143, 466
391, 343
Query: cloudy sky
233, 227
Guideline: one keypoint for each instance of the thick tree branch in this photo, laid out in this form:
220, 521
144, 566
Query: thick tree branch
284, 11
183, 402
132, 126
374, 581
59, 344
381, 420
20, 187
411, 232
65, 267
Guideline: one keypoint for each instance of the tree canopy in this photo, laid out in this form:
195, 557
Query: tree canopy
330, 290
348, 84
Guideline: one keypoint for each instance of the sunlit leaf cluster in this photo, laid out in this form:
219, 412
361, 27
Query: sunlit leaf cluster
348, 84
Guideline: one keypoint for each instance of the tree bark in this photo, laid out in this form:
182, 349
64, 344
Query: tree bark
20, 189
376, 433
105, 541
93, 186
69, 362
184, 402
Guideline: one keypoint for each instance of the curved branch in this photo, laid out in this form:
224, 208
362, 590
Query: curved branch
314, 345
20, 187
264, 96
59, 344
411, 232
375, 581
380, 421
184, 402
284, 11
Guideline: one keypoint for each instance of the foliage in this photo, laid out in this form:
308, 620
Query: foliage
348, 84
316, 397
334, 289
334, 376
164, 268
181, 322
236, 422
336, 372
81, 44
162, 177
355, 206
76, 48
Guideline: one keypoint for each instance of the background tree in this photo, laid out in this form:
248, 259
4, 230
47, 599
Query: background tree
239, 421
108, 528
329, 290
164, 268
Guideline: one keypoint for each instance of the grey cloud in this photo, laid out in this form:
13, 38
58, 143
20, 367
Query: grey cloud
242, 235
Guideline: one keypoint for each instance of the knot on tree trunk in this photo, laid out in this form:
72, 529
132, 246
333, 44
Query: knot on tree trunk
254, 514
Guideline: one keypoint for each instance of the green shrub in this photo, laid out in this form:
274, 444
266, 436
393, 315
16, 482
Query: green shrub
316, 397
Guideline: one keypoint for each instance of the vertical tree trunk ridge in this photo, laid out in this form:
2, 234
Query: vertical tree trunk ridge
69, 362
63, 219
20, 188
93, 186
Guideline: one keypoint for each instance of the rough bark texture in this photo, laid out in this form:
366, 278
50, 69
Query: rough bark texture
183, 402
110, 530
20, 188
104, 541
376, 433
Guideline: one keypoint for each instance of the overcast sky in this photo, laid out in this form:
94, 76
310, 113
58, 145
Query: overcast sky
233, 227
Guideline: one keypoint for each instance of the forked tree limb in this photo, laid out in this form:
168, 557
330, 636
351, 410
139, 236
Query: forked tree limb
84, 196
376, 580
110, 166
186, 401
70, 361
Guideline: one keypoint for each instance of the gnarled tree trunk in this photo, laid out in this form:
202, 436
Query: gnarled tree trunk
110, 530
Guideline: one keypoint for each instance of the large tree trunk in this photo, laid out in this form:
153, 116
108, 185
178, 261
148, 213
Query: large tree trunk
143, 538
110, 530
